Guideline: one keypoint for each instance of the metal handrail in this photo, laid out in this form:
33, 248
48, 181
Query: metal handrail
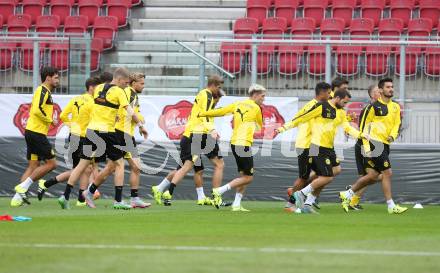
205, 59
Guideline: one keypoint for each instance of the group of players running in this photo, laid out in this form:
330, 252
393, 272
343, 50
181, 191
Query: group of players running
103, 120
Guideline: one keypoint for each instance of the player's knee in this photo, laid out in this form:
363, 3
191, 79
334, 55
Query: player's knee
219, 164
135, 169
388, 173
51, 164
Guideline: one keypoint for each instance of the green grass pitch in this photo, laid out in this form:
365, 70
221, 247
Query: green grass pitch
190, 238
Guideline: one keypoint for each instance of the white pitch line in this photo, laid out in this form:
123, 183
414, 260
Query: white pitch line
229, 249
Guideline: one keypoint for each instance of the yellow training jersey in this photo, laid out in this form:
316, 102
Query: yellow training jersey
196, 124
247, 119
304, 136
108, 99
325, 118
40, 114
126, 123
381, 120
71, 114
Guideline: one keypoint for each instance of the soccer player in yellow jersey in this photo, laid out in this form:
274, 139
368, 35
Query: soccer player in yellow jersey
125, 127
374, 94
38, 146
247, 118
199, 138
326, 117
202, 199
382, 121
76, 116
101, 141
302, 144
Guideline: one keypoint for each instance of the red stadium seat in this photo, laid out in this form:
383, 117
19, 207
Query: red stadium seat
62, 8
245, 26
372, 9
286, 9
419, 28
412, 56
401, 9
274, 27
361, 27
257, 9
7, 8
76, 24
316, 60
119, 9
430, 9
232, 57
89, 8
105, 28
390, 27
265, 57
6, 55
377, 60
302, 27
27, 56
289, 59
19, 23
59, 56
347, 60
315, 9
432, 61
47, 23
332, 27
97, 47
344, 9
34, 8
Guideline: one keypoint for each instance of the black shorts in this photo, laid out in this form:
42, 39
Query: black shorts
380, 160
38, 146
304, 164
130, 144
244, 159
360, 159
203, 144
107, 142
324, 161
75, 149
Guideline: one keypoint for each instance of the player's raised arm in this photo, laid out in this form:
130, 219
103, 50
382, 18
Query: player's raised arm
314, 112
219, 112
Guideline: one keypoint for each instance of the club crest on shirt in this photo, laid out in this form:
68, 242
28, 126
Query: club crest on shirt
22, 116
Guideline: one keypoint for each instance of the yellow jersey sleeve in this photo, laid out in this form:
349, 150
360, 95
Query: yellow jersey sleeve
306, 116
64, 116
259, 119
39, 104
397, 122
364, 126
219, 112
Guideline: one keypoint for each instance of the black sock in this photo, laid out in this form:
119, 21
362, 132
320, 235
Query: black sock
118, 193
67, 191
134, 193
49, 183
80, 196
171, 188
93, 188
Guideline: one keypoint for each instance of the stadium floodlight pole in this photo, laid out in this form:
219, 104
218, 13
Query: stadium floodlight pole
202, 66
254, 60
205, 59
36, 68
328, 61
402, 75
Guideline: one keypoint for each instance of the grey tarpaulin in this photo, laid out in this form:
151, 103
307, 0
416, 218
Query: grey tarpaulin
415, 167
